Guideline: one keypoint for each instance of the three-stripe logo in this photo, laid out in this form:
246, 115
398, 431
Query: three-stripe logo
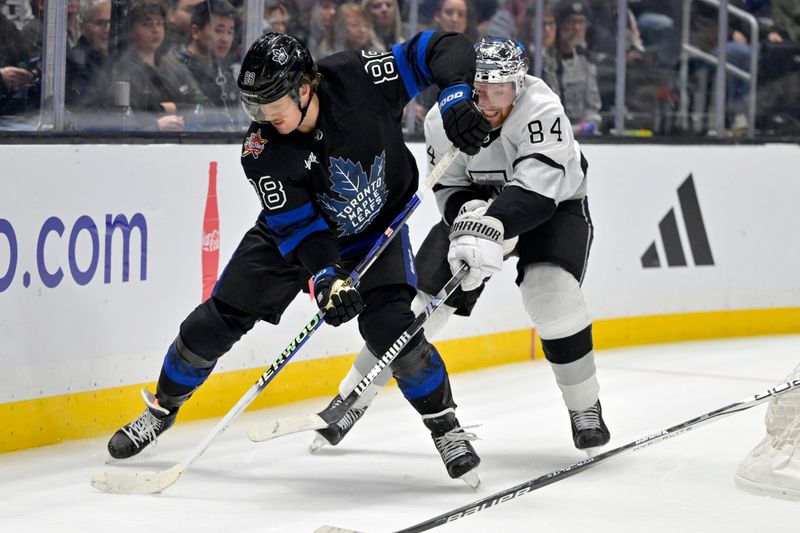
671, 238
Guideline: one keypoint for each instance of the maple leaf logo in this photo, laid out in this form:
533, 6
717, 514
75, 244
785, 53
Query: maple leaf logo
356, 198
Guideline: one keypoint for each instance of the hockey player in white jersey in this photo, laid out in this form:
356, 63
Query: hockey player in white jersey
524, 193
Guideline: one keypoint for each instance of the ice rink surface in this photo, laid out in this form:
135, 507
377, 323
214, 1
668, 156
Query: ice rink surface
386, 474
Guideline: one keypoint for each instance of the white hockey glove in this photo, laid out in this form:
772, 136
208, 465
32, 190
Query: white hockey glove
477, 241
479, 207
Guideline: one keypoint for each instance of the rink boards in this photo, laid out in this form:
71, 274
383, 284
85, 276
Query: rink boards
102, 256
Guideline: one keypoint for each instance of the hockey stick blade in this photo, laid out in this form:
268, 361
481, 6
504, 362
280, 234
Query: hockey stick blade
138, 483
151, 483
562, 473
279, 427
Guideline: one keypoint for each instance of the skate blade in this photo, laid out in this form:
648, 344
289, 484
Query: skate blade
471, 478
317, 444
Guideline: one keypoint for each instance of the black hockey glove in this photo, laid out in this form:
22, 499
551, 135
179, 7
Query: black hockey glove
463, 122
341, 302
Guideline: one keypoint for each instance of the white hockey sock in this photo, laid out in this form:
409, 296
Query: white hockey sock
366, 360
578, 382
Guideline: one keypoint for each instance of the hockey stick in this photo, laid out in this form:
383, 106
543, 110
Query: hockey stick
154, 482
270, 429
568, 471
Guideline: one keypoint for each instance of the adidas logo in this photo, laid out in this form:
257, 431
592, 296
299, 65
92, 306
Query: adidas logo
672, 243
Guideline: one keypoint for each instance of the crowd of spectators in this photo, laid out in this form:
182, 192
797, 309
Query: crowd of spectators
171, 65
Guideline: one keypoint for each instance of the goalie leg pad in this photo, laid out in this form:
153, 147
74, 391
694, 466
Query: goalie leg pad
554, 300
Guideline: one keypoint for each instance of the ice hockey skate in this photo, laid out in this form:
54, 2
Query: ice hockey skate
453, 445
334, 433
134, 437
589, 431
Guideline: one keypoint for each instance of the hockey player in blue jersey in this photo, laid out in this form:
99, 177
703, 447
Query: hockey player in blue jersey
326, 156
533, 172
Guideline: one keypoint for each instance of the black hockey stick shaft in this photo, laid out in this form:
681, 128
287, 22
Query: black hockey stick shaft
568, 471
336, 413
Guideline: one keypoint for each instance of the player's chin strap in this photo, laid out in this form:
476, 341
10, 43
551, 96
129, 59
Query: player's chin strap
295, 94
154, 482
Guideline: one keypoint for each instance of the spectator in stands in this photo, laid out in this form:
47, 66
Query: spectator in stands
282, 16
549, 72
160, 94
178, 23
455, 15
507, 20
704, 34
659, 26
786, 15
16, 11
577, 74
278, 17
451, 15
33, 31
213, 24
322, 28
354, 30
86, 60
18, 81
385, 18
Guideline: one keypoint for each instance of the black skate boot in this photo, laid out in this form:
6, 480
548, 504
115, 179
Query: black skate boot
452, 441
588, 429
134, 437
334, 433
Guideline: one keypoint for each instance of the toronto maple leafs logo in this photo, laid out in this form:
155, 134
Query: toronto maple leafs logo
280, 56
356, 199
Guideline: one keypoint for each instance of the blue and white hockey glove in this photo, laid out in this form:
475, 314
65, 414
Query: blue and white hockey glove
463, 122
340, 301
476, 240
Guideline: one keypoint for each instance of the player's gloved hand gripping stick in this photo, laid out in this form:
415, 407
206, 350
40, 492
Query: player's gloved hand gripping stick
154, 482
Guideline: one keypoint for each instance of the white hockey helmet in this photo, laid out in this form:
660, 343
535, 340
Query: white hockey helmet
500, 60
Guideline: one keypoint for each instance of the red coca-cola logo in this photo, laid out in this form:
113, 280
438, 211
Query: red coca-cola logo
211, 241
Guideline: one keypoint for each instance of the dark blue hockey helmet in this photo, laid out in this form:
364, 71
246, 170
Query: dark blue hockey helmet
273, 67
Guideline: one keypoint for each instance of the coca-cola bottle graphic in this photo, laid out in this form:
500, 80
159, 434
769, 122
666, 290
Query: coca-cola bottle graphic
210, 257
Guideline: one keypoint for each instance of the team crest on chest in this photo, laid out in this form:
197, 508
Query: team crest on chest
254, 145
356, 198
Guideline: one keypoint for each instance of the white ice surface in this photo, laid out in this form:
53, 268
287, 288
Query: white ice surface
386, 475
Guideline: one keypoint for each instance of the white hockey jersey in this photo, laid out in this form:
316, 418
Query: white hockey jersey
534, 149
